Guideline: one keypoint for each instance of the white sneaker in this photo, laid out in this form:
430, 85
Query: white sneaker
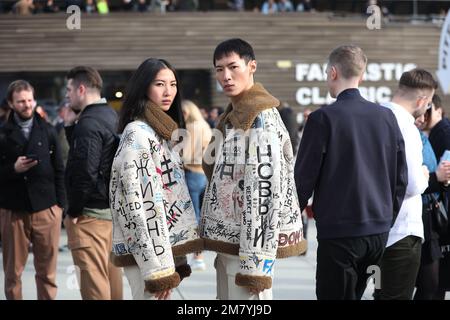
198, 264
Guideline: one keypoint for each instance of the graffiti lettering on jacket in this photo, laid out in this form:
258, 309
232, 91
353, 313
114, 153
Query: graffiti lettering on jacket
257, 262
177, 237
264, 175
173, 213
154, 146
167, 173
219, 229
289, 239
150, 202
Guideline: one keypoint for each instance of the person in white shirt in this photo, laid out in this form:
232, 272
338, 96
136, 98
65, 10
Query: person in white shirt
401, 259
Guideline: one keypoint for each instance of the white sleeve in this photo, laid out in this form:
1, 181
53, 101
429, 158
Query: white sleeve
417, 182
142, 217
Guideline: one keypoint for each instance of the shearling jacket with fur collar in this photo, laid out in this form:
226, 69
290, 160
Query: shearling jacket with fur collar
153, 215
250, 206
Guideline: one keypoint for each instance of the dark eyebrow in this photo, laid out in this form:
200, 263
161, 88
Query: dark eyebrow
159, 80
233, 62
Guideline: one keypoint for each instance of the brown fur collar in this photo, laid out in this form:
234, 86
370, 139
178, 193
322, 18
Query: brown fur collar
241, 114
259, 283
244, 110
160, 121
164, 283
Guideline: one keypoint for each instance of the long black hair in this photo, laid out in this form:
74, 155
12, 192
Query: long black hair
136, 98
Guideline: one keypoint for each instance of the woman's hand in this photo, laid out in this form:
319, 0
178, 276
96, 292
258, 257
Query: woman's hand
443, 172
163, 295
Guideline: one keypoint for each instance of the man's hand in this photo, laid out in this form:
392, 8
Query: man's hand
70, 117
443, 172
255, 291
426, 172
163, 295
24, 164
73, 220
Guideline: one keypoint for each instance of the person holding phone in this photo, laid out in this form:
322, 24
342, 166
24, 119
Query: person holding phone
427, 281
32, 195
438, 128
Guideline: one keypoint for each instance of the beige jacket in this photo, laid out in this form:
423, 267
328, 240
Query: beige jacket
199, 137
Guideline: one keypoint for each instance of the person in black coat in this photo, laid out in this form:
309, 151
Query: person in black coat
289, 119
91, 132
32, 194
427, 282
353, 159
439, 135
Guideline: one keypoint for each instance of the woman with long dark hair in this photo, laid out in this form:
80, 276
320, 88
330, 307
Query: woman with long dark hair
154, 224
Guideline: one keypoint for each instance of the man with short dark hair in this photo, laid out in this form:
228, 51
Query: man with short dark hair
401, 259
32, 194
353, 159
250, 214
90, 131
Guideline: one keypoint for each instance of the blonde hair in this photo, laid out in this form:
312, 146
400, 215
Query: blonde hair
350, 60
192, 111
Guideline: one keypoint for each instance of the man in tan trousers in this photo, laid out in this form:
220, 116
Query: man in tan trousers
31, 194
90, 131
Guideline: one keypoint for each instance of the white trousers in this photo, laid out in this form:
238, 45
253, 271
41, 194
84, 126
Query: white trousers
137, 284
226, 268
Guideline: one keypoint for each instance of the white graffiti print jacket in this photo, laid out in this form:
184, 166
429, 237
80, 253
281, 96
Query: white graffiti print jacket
153, 215
250, 205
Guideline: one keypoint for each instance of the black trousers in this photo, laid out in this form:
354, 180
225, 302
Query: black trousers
399, 268
343, 265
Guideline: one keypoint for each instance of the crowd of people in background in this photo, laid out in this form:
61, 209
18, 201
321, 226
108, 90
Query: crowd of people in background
27, 7
267, 7
128, 198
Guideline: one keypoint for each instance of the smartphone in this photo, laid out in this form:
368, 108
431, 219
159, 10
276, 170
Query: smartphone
32, 156
446, 156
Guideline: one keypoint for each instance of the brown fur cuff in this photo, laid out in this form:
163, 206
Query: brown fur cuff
122, 261
220, 246
162, 284
188, 247
294, 250
259, 283
184, 271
